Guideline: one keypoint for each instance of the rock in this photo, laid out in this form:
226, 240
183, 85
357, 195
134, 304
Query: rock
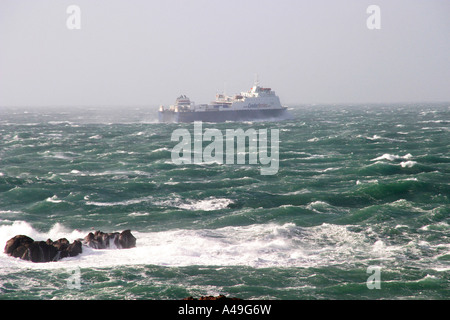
40, 251
61, 244
16, 246
69, 249
91, 241
220, 297
101, 240
25, 248
127, 240
74, 249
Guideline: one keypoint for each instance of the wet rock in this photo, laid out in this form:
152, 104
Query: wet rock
220, 297
25, 248
126, 240
115, 240
60, 244
74, 249
18, 246
40, 251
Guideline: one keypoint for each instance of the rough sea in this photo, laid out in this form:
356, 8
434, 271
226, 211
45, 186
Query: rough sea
362, 193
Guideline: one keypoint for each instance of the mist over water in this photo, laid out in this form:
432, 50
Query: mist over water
357, 186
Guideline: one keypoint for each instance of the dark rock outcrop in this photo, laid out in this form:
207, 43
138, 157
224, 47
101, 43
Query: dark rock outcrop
220, 297
101, 240
25, 248
65, 248
127, 240
18, 245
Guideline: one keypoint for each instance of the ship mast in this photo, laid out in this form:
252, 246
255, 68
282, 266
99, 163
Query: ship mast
256, 80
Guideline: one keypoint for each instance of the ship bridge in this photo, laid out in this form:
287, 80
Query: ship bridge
257, 91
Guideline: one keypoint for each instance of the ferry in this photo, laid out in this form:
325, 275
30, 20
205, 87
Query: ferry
258, 103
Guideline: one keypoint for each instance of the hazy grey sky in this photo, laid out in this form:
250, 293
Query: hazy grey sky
148, 52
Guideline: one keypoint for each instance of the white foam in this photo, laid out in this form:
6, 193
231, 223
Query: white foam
109, 173
408, 164
23, 227
260, 246
138, 214
392, 157
161, 149
376, 137
435, 121
314, 156
58, 155
171, 183
53, 199
358, 182
9, 212
302, 191
118, 203
209, 204
319, 207
60, 122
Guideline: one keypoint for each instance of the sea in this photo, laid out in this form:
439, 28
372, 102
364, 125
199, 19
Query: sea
359, 208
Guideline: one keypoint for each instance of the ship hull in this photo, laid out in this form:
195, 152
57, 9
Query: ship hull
169, 116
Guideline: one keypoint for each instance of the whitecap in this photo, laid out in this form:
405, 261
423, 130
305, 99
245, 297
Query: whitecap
60, 122
138, 214
358, 182
408, 164
13, 212
379, 246
118, 203
376, 137
328, 169
434, 121
209, 204
392, 157
161, 149
171, 183
58, 155
302, 191
319, 207
53, 199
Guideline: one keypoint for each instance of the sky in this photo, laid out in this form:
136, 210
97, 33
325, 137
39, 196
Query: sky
148, 52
